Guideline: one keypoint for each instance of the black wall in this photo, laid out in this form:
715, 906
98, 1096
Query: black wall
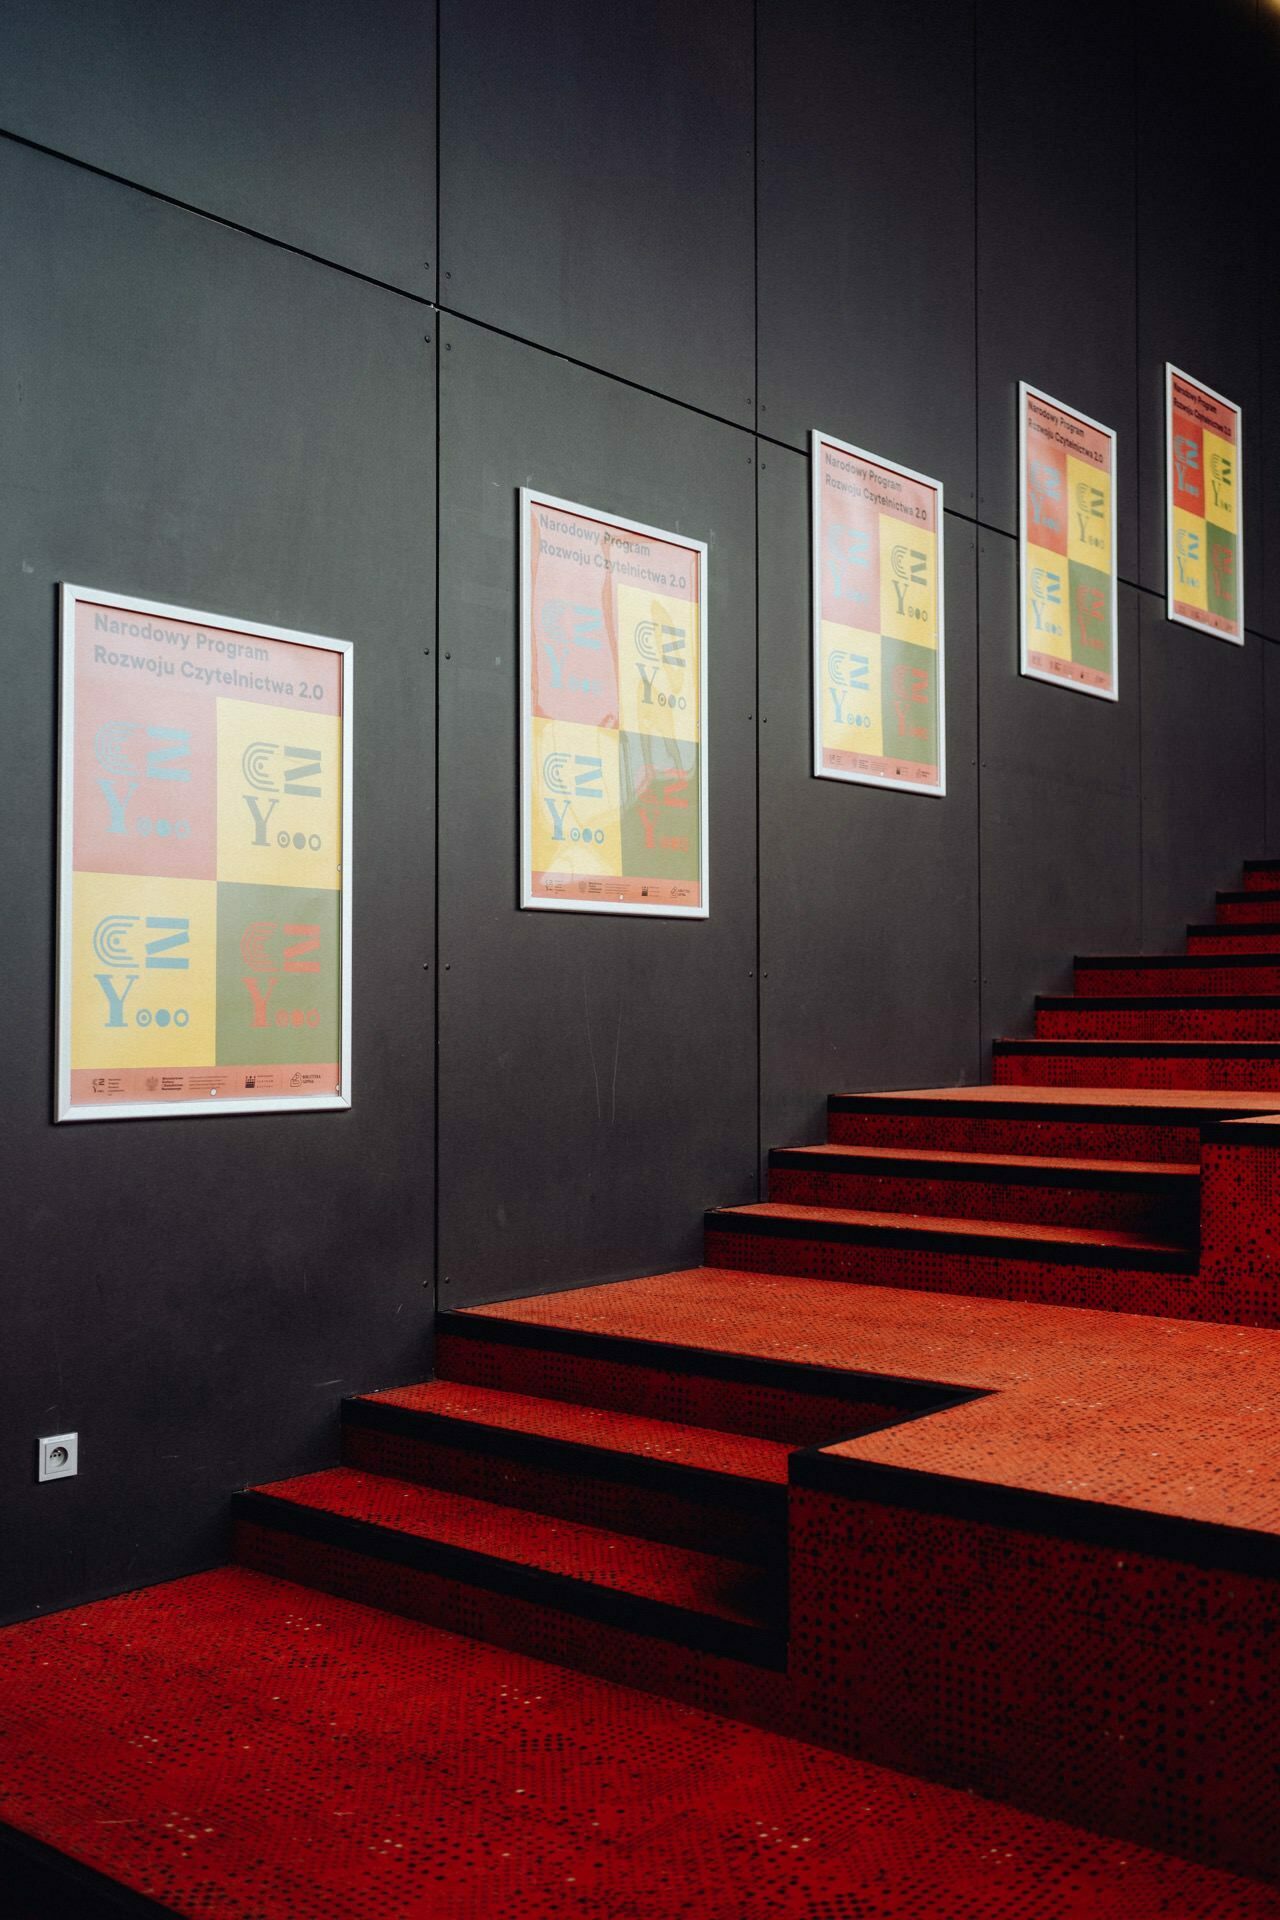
665, 243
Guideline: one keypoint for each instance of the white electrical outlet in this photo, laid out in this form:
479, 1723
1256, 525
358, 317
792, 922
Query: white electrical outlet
58, 1457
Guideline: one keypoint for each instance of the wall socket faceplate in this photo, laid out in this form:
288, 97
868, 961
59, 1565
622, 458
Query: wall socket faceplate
58, 1457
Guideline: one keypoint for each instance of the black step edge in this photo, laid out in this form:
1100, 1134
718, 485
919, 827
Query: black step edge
574, 1457
742, 1369
947, 1240
1134, 1049
759, 1646
1233, 895
1175, 962
1205, 1544
1262, 866
902, 1163
65, 1888
1231, 930
1158, 1002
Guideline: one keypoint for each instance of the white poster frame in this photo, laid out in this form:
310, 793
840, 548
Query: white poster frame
529, 498
1172, 373
70, 598
1025, 392
817, 440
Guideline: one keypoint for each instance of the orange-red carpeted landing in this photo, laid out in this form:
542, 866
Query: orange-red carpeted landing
230, 1745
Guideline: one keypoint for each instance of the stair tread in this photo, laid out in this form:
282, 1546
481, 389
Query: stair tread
935, 1157
1168, 1099
1112, 1238
678, 1577
360, 1710
664, 1441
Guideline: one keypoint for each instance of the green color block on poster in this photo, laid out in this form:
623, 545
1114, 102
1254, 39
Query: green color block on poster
1092, 640
1223, 572
909, 701
279, 968
659, 805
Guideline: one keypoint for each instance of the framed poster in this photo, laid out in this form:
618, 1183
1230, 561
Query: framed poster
879, 702
613, 706
204, 872
1204, 525
1067, 546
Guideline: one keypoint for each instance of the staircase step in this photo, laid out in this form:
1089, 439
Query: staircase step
685, 1485
1247, 908
1000, 1239
1061, 1266
675, 1380
1232, 939
1132, 1195
1262, 876
1143, 975
695, 1600
1186, 1065
1238, 1016
1111, 1123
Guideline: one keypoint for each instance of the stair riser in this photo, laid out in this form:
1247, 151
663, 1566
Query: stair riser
1071, 1139
1264, 880
1111, 982
1263, 907
1119, 1690
696, 1400
582, 1496
1118, 1289
698, 1679
1224, 940
1028, 1203
1157, 1070
1164, 1023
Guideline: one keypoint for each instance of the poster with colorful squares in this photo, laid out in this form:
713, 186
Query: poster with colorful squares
204, 885
1204, 525
879, 701
1067, 546
613, 708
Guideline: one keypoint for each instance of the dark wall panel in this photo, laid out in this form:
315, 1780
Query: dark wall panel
1057, 291
312, 122
1203, 722
1061, 810
868, 898
597, 1073
866, 259
1198, 195
200, 419
597, 187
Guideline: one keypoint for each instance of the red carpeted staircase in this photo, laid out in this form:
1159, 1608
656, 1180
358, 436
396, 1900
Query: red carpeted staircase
956, 1456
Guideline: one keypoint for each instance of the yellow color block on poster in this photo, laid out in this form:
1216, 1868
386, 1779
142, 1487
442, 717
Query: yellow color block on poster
1221, 482
1048, 627
143, 971
908, 582
1088, 514
1190, 560
574, 797
658, 664
279, 796
852, 678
